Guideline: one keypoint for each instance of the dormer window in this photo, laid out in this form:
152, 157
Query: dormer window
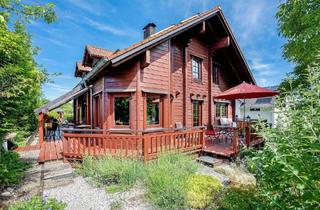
196, 68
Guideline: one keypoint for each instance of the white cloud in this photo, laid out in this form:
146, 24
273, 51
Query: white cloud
59, 88
57, 42
252, 19
263, 82
103, 27
95, 7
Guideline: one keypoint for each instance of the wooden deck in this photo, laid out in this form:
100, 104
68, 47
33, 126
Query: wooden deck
28, 148
51, 150
221, 148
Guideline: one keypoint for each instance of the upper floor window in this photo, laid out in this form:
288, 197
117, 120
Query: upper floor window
121, 110
153, 110
215, 73
221, 109
196, 68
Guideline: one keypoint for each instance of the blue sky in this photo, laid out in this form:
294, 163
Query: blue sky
115, 24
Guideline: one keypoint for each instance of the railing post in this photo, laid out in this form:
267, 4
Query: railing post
235, 140
202, 140
248, 134
145, 147
64, 149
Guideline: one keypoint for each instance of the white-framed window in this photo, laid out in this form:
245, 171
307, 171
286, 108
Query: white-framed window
196, 67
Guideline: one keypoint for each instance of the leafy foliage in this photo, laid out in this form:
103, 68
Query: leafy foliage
201, 190
240, 198
38, 204
68, 112
299, 23
11, 169
20, 77
287, 169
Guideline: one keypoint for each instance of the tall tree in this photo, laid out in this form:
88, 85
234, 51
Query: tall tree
20, 76
299, 23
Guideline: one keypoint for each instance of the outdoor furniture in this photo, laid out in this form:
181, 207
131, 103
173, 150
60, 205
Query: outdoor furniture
212, 133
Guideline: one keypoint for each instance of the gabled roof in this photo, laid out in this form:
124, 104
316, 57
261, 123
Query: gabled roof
80, 69
173, 30
98, 52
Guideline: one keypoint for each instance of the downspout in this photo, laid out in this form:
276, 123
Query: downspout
91, 107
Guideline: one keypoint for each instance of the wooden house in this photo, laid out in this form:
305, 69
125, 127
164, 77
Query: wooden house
166, 81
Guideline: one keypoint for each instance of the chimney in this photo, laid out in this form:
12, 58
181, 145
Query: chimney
148, 30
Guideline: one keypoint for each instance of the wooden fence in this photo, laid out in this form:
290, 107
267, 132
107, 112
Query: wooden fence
147, 146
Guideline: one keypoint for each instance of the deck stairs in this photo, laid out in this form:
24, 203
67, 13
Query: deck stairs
210, 161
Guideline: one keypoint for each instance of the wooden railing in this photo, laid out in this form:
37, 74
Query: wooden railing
186, 141
147, 146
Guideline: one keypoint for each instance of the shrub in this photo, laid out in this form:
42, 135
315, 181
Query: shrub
240, 198
118, 173
11, 168
38, 204
165, 179
201, 190
20, 138
287, 169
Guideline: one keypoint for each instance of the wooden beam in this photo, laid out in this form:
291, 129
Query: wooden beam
41, 128
222, 43
203, 27
146, 60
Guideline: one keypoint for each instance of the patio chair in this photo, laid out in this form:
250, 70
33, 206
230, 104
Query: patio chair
212, 134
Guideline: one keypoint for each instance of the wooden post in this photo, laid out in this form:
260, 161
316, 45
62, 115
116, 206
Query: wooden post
248, 134
235, 140
146, 141
64, 149
40, 127
202, 140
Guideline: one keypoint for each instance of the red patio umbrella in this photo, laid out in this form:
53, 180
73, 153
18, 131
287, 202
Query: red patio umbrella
244, 91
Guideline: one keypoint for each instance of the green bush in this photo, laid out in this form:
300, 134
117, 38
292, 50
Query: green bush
38, 204
165, 179
201, 189
21, 137
287, 169
240, 198
116, 173
11, 168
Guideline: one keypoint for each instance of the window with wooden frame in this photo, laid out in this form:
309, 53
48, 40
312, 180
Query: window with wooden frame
221, 109
196, 113
97, 114
196, 63
215, 73
154, 106
121, 108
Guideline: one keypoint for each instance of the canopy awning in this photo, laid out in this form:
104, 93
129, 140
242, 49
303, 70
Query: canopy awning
74, 93
245, 90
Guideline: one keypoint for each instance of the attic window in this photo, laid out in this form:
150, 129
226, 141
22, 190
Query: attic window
196, 68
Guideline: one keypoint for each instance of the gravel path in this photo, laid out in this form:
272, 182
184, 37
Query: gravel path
82, 195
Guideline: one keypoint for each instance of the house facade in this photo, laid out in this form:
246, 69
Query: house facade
167, 80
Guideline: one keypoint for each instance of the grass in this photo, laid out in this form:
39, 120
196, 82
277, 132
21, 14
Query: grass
201, 190
39, 204
117, 174
165, 179
170, 180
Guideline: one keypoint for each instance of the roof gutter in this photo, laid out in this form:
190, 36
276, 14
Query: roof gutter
96, 69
